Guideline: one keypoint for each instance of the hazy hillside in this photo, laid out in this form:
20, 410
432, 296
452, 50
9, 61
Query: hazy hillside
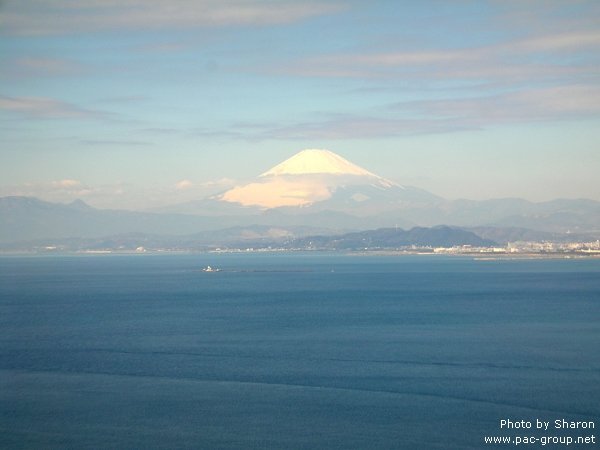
26, 219
385, 238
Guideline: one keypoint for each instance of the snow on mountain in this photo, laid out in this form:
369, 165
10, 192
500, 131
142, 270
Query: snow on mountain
308, 177
313, 161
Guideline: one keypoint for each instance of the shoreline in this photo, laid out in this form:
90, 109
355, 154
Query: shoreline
478, 256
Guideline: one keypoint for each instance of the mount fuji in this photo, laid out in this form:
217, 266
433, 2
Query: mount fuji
317, 186
313, 192
317, 180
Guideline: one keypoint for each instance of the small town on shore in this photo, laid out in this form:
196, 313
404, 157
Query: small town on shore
511, 249
525, 248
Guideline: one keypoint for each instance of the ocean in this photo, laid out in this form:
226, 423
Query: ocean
296, 351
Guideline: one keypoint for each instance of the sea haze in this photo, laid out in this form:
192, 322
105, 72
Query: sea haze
293, 351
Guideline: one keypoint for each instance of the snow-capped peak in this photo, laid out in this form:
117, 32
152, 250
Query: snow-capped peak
315, 161
308, 177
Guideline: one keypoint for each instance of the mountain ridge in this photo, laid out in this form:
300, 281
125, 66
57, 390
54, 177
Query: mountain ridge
312, 187
28, 218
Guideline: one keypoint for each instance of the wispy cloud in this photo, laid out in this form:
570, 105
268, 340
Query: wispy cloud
556, 103
67, 189
114, 142
47, 108
521, 59
165, 47
125, 99
40, 17
186, 185
542, 104
339, 126
360, 127
163, 131
567, 41
28, 66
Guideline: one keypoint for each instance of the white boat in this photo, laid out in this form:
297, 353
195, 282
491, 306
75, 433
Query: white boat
210, 269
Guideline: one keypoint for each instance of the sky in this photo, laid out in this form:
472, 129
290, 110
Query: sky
141, 103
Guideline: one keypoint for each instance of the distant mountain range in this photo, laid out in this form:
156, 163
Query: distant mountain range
263, 237
78, 227
315, 192
387, 238
345, 195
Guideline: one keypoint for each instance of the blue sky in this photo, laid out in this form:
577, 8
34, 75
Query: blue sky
139, 103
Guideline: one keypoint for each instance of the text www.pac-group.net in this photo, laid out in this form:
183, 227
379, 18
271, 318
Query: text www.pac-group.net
542, 427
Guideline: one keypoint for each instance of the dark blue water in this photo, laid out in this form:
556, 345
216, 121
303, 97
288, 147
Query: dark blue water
293, 351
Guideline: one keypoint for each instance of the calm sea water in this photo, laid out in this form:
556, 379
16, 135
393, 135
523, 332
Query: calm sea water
293, 351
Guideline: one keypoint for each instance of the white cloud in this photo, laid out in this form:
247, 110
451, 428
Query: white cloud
220, 183
66, 184
184, 184
187, 185
278, 192
65, 190
118, 195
